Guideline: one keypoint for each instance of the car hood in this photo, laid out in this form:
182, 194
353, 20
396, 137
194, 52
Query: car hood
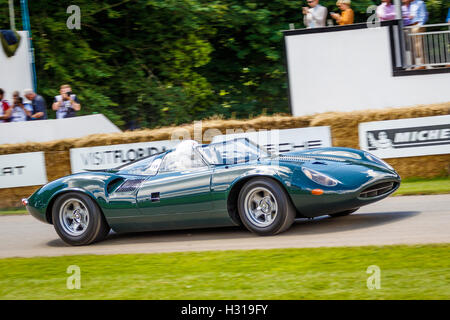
350, 166
336, 156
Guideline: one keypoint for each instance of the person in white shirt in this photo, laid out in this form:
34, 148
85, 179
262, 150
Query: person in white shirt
19, 111
315, 16
66, 104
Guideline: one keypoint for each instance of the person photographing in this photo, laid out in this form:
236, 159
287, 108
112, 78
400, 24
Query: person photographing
315, 15
66, 104
347, 15
19, 110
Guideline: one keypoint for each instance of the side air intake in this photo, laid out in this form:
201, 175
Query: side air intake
130, 185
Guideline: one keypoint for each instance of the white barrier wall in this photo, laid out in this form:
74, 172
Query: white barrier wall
22, 169
48, 130
15, 72
352, 70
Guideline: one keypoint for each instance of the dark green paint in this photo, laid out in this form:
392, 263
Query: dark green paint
199, 198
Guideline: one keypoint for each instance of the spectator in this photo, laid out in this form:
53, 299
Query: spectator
66, 104
386, 11
315, 16
28, 107
416, 15
418, 12
19, 111
347, 15
406, 12
38, 103
5, 110
414, 12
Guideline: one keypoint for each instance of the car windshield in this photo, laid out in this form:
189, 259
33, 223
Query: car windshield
232, 151
147, 166
183, 157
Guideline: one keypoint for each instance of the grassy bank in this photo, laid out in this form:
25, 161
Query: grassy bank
407, 272
13, 211
424, 186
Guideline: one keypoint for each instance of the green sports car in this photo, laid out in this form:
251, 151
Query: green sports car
234, 182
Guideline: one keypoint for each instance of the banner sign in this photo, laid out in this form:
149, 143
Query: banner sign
108, 157
285, 140
406, 137
22, 169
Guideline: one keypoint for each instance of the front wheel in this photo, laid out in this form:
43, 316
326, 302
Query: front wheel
78, 220
264, 207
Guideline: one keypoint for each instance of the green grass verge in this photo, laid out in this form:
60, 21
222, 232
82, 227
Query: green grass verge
407, 272
13, 211
424, 186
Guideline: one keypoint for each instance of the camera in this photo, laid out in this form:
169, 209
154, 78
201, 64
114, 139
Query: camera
68, 95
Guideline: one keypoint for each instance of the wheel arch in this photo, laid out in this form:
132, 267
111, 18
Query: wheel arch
48, 211
236, 187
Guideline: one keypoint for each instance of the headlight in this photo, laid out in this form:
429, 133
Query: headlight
373, 158
320, 178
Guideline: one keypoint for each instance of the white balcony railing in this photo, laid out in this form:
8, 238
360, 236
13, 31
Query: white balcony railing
427, 46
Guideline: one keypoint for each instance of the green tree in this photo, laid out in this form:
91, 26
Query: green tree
163, 62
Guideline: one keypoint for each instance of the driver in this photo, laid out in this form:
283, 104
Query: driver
182, 157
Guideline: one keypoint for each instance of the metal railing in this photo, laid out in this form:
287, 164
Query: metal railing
428, 45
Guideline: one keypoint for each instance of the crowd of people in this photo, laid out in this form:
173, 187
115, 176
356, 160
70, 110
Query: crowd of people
316, 15
66, 105
414, 12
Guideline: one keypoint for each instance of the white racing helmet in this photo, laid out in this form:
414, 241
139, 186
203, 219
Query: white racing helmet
181, 158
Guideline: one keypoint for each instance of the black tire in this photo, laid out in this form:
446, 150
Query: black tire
285, 212
92, 224
343, 213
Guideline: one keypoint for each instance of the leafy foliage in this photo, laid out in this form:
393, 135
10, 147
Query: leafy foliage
161, 62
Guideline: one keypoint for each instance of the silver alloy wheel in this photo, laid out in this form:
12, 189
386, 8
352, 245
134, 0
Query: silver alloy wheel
260, 207
74, 217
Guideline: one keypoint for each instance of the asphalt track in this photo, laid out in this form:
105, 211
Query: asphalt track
396, 220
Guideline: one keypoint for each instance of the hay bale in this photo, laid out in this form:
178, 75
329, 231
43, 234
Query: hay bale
12, 197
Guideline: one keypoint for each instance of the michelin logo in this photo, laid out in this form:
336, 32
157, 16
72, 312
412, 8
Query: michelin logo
382, 143
406, 137
401, 138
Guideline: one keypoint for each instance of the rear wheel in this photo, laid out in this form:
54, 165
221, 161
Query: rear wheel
343, 213
264, 207
78, 220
